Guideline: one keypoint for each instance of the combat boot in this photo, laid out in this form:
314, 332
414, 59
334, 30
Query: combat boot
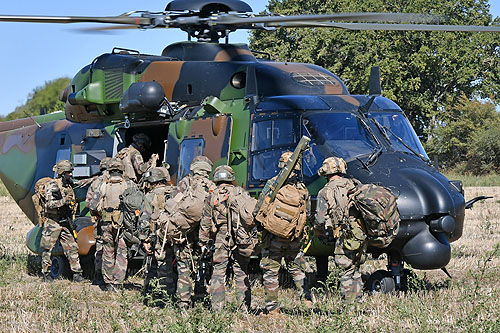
309, 304
276, 313
77, 277
47, 277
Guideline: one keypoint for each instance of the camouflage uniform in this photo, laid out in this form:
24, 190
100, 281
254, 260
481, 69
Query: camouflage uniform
114, 255
132, 159
163, 256
60, 205
274, 249
214, 225
96, 221
186, 252
334, 222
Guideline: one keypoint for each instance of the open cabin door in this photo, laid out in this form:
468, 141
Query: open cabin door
209, 136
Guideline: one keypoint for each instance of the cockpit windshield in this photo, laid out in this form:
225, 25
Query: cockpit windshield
399, 126
334, 134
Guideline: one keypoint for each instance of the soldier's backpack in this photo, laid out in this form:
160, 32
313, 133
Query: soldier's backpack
285, 217
379, 213
244, 231
39, 198
131, 202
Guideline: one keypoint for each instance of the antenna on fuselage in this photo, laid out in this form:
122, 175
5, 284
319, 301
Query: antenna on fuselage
375, 86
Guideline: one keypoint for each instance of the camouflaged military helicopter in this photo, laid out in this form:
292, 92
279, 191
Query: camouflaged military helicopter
223, 101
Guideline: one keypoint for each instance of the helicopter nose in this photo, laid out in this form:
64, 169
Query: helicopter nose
443, 224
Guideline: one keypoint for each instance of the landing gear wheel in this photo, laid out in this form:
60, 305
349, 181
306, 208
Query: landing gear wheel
381, 281
59, 267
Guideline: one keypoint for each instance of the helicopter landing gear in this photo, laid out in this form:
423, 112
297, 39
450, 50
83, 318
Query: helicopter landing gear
390, 280
59, 267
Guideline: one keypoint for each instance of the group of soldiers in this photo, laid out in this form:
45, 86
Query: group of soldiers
217, 225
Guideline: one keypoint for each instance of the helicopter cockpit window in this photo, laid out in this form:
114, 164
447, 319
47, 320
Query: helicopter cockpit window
272, 133
334, 134
400, 127
189, 149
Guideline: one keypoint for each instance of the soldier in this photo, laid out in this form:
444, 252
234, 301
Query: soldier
94, 187
162, 254
334, 223
217, 224
132, 159
186, 250
60, 208
276, 248
114, 254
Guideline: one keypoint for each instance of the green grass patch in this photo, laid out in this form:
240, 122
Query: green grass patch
471, 180
3, 190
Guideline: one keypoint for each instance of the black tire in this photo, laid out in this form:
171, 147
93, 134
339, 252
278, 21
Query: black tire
381, 281
59, 267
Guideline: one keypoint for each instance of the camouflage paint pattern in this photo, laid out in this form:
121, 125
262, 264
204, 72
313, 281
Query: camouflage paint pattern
114, 255
52, 231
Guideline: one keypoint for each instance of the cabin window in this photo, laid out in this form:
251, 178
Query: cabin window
189, 149
272, 133
265, 165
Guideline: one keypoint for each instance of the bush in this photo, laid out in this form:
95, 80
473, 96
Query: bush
483, 156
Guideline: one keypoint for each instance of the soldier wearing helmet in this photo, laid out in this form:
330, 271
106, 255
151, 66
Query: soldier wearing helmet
187, 250
334, 225
220, 225
96, 183
60, 208
131, 156
158, 192
275, 248
107, 202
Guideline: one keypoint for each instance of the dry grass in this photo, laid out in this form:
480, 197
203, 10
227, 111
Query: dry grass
469, 302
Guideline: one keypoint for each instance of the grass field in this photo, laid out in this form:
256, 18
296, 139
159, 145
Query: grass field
468, 302
469, 180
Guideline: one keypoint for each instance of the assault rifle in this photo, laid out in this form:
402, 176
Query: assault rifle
272, 187
205, 267
148, 262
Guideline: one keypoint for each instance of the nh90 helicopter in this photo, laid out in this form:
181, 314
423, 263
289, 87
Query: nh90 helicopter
219, 100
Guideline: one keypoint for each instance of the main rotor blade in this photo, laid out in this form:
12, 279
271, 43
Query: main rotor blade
76, 19
389, 27
361, 17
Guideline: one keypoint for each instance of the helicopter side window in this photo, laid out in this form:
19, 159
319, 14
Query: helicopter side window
189, 149
272, 133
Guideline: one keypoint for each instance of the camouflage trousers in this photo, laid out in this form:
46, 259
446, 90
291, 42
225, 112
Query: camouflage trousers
223, 257
114, 255
273, 251
98, 249
52, 231
162, 274
348, 261
187, 266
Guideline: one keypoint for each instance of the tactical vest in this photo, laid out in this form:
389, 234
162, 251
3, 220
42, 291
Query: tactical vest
110, 199
67, 194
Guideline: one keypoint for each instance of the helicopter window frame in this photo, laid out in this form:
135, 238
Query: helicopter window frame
189, 148
263, 168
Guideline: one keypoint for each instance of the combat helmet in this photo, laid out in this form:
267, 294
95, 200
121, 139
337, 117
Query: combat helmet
154, 175
165, 169
223, 173
142, 139
333, 165
201, 163
284, 159
104, 163
116, 164
62, 167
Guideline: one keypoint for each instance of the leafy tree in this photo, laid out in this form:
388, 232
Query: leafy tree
424, 72
42, 97
459, 139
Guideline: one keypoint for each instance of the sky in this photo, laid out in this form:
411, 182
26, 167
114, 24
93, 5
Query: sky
33, 53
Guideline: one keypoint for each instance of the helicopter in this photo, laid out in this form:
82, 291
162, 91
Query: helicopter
240, 108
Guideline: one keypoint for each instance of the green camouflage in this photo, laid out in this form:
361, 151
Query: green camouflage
114, 255
379, 213
52, 231
274, 250
333, 165
186, 256
215, 225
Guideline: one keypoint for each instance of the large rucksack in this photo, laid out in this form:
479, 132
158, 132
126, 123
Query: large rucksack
39, 198
379, 213
241, 206
131, 202
285, 217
